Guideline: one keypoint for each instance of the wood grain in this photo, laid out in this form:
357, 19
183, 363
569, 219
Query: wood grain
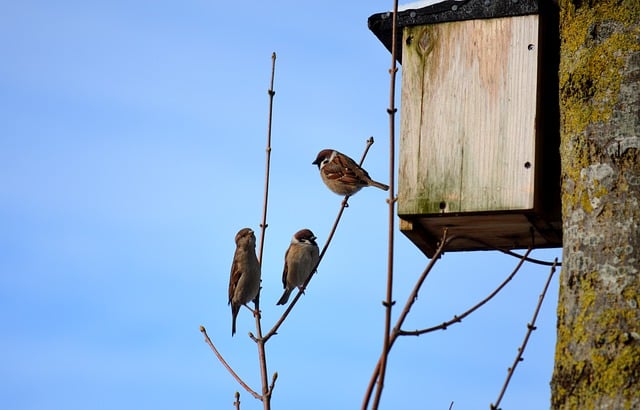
468, 116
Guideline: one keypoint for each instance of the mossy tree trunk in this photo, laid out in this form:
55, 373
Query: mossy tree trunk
597, 363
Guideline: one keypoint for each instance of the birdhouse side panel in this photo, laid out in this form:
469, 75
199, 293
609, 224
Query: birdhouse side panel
468, 116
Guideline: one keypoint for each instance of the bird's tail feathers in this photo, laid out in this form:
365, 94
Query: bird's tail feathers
234, 314
285, 297
380, 185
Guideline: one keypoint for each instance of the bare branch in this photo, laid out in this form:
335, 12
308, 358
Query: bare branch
300, 292
263, 224
369, 143
262, 355
530, 328
226, 365
458, 318
508, 252
410, 300
388, 303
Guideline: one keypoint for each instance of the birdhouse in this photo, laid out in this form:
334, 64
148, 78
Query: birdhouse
479, 123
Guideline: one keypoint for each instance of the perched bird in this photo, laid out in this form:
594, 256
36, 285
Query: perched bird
299, 260
244, 282
343, 175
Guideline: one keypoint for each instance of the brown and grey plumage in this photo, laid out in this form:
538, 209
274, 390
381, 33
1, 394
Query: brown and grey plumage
343, 175
244, 282
299, 260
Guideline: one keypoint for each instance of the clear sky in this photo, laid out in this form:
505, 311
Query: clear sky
132, 149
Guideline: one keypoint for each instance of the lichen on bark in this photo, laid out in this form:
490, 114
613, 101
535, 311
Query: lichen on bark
597, 364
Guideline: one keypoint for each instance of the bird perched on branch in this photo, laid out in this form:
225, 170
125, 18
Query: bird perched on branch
244, 282
343, 175
299, 260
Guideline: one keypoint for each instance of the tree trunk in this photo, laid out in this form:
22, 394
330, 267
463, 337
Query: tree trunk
597, 363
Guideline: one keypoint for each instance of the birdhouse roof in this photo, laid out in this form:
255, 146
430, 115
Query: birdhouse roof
429, 12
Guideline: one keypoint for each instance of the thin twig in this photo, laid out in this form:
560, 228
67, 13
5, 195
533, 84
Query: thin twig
237, 402
273, 382
260, 342
226, 365
507, 251
300, 292
263, 224
458, 318
410, 300
388, 303
530, 328
370, 142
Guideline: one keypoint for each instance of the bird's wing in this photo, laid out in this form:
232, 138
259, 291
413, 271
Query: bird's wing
346, 170
234, 279
285, 271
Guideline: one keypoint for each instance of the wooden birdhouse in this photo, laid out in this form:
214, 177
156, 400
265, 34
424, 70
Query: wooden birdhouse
479, 123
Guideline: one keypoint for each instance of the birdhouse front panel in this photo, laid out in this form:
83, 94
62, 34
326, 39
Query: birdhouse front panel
468, 117
479, 122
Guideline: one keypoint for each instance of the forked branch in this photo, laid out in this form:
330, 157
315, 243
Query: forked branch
226, 365
259, 339
410, 300
458, 318
530, 328
345, 204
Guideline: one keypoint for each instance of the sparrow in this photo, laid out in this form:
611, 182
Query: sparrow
244, 282
301, 258
343, 175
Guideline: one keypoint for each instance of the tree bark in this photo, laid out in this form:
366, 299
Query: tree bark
597, 363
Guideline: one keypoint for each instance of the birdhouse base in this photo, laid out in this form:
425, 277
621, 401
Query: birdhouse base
480, 231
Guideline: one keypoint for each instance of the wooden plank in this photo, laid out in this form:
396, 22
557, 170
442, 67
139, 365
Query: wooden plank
474, 232
468, 116
411, 119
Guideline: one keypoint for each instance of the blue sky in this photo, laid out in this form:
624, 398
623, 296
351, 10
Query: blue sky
132, 149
